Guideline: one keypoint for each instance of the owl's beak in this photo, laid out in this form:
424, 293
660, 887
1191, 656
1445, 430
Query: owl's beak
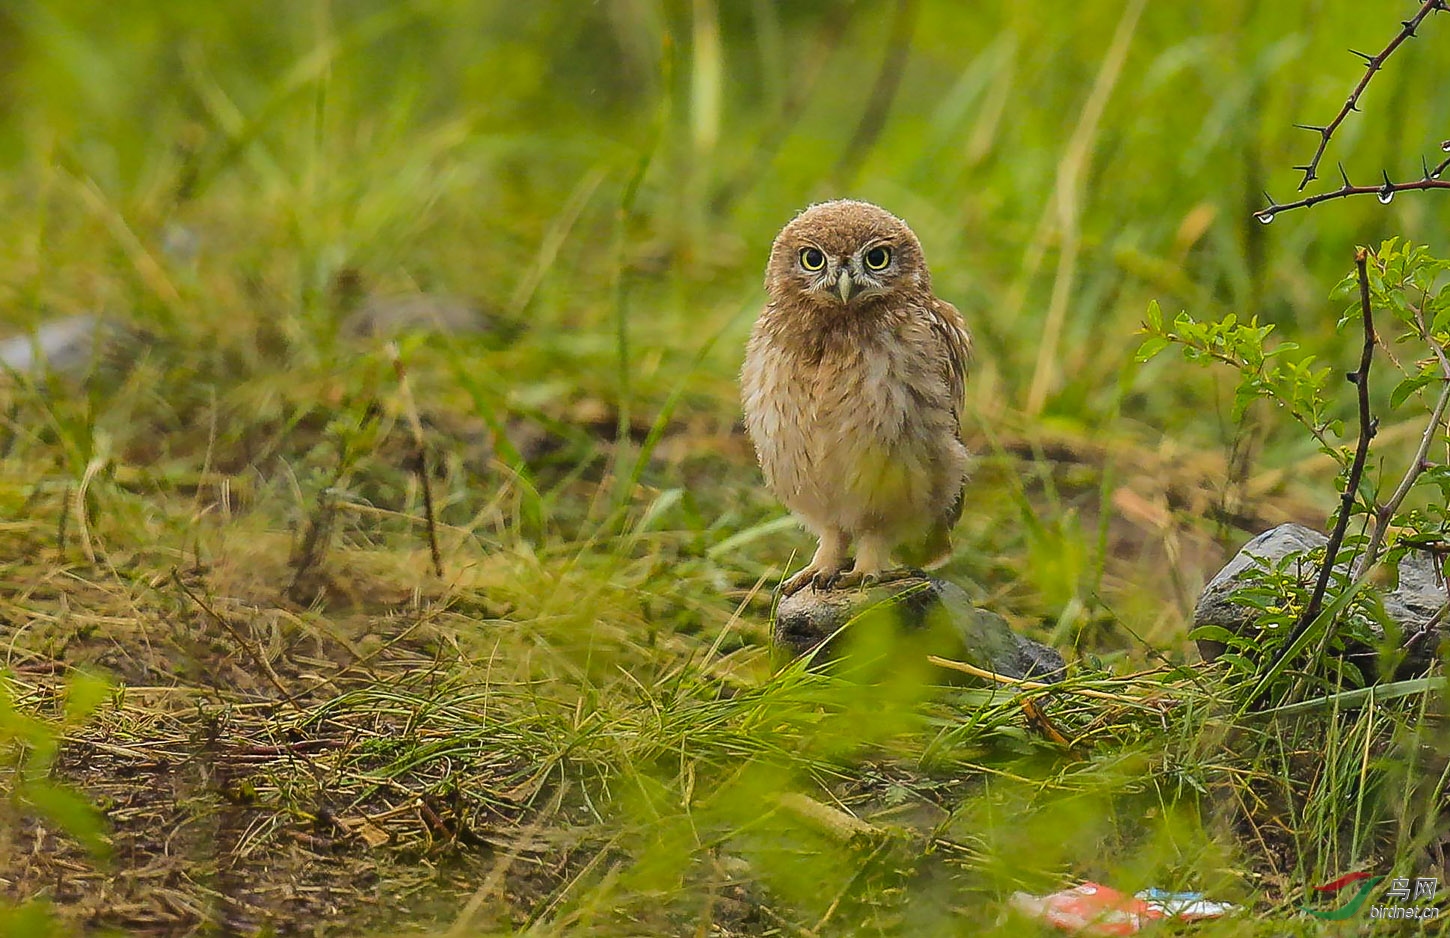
844, 286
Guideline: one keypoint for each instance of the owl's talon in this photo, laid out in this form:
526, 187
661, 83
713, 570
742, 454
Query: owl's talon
793, 585
811, 576
854, 579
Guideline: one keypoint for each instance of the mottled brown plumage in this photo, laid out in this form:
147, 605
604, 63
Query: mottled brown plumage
852, 387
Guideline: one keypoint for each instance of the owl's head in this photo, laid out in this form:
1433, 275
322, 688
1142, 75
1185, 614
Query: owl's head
844, 254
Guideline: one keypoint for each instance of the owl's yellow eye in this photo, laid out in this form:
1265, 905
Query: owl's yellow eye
812, 259
878, 258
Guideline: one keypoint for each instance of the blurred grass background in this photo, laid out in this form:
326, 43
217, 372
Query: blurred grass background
1062, 171
439, 144
603, 180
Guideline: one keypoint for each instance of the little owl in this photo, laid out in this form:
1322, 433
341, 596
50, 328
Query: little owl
852, 386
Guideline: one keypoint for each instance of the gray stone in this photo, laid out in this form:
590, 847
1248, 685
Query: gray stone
933, 608
387, 316
1411, 605
66, 346
74, 347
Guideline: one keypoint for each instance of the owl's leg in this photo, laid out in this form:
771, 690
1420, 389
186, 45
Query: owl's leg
873, 565
830, 560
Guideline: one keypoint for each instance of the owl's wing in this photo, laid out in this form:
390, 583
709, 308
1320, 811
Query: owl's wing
956, 342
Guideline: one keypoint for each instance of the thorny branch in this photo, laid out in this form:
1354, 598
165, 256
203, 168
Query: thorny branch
1385, 191
1373, 63
1384, 513
1367, 426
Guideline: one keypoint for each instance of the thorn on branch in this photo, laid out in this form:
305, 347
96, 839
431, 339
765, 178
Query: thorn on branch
1387, 191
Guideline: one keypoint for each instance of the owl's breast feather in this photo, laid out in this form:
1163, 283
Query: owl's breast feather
825, 427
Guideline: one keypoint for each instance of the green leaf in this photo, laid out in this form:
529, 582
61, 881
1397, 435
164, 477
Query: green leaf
1151, 347
1441, 323
31, 919
1237, 662
84, 694
1213, 633
71, 812
1409, 386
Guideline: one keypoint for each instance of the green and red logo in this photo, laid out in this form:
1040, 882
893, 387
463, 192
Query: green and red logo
1353, 904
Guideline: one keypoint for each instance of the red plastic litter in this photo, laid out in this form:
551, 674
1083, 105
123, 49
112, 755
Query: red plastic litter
1095, 909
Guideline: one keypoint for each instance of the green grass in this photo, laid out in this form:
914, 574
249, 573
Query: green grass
581, 728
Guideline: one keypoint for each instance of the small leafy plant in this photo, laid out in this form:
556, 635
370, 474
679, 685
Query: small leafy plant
28, 747
1409, 283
